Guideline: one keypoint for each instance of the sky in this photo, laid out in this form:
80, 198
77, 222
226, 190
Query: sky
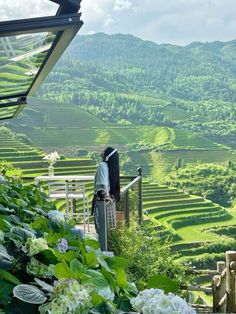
177, 22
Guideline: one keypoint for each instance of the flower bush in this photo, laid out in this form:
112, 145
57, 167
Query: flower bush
52, 158
154, 301
46, 266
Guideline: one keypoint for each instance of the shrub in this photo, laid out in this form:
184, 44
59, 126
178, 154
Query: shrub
146, 255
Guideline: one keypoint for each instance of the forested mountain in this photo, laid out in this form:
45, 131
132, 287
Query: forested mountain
124, 79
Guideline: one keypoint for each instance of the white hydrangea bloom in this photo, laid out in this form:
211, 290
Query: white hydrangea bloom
154, 301
35, 246
68, 297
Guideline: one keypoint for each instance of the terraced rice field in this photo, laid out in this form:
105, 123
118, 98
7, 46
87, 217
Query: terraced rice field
163, 162
188, 221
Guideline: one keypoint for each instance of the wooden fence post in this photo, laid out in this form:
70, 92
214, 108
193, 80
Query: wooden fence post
220, 266
230, 281
218, 290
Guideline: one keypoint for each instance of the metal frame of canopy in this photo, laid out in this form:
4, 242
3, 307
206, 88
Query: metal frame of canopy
65, 24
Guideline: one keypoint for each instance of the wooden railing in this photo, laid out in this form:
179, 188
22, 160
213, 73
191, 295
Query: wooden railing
102, 217
223, 286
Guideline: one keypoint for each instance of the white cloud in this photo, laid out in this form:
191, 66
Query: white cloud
108, 20
17, 9
122, 5
173, 21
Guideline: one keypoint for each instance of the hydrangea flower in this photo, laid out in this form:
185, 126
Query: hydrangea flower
56, 214
62, 246
68, 297
56, 219
36, 268
78, 232
154, 301
35, 246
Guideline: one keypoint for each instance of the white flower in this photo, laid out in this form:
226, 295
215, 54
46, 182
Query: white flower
35, 246
68, 297
56, 214
154, 301
52, 158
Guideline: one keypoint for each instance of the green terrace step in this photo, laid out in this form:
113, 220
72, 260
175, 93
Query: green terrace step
162, 192
203, 261
186, 246
184, 212
219, 216
61, 163
22, 158
19, 154
154, 209
170, 202
168, 197
200, 206
3, 150
209, 247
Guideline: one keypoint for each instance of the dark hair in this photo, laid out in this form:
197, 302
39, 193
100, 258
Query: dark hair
114, 172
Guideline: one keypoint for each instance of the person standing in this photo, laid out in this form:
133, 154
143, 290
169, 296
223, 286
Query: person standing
107, 185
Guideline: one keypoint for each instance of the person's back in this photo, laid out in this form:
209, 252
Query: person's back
107, 181
101, 180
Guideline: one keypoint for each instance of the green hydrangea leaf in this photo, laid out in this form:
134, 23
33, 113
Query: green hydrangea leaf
29, 294
162, 282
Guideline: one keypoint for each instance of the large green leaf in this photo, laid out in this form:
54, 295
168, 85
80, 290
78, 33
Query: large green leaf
9, 277
21, 233
21, 202
91, 259
5, 291
162, 282
96, 279
77, 267
92, 243
117, 262
62, 270
121, 277
69, 256
29, 294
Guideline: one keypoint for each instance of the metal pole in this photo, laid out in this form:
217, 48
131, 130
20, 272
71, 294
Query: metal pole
140, 197
127, 207
73, 200
102, 224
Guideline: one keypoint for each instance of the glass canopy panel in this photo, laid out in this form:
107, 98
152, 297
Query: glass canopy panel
7, 112
22, 9
20, 59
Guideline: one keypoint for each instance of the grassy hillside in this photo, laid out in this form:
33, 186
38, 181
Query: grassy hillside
52, 124
121, 77
65, 127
